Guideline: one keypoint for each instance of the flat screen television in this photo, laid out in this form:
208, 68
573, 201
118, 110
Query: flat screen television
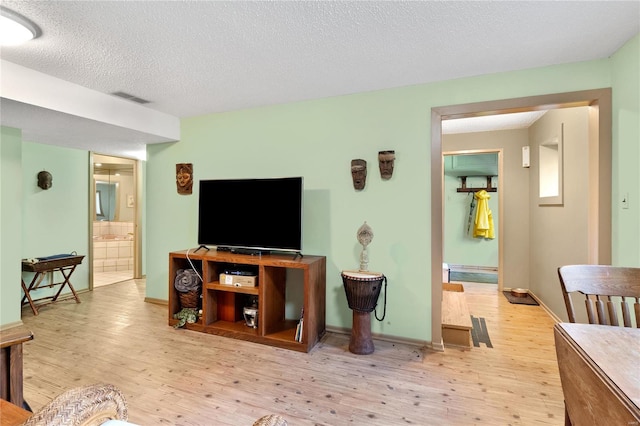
251, 214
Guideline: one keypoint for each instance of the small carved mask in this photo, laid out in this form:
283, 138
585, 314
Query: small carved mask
386, 161
365, 235
45, 180
359, 173
184, 178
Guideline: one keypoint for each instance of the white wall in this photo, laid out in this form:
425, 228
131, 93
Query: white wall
558, 234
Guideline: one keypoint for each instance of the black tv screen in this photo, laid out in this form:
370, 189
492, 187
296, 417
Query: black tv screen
253, 214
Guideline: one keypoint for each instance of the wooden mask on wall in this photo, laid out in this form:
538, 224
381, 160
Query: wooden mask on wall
359, 173
45, 180
386, 161
184, 178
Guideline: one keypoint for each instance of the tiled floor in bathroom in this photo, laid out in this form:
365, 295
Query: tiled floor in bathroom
106, 278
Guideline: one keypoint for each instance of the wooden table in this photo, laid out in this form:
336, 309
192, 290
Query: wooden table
600, 373
11, 341
65, 265
12, 415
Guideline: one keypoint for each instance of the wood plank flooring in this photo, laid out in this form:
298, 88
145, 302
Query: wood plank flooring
180, 377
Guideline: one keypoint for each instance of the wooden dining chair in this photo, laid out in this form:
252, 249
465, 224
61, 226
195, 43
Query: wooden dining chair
600, 284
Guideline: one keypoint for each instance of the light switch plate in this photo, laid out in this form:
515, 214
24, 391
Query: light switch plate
625, 201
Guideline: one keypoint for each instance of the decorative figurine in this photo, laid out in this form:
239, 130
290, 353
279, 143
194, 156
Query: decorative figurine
359, 173
365, 235
45, 180
386, 160
186, 316
362, 289
184, 178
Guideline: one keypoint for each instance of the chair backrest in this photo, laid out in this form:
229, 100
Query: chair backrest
599, 283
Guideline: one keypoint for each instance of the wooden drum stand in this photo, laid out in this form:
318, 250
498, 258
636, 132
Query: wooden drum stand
362, 289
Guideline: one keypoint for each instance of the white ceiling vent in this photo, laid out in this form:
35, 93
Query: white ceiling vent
130, 97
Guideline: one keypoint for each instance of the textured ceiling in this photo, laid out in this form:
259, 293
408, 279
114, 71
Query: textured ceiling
198, 57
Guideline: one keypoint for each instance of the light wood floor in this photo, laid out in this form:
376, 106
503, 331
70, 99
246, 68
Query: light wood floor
180, 377
107, 278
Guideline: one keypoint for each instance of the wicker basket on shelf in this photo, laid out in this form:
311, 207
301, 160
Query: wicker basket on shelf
187, 282
189, 299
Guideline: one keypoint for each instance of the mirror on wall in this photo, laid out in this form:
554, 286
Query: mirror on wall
114, 189
550, 171
106, 200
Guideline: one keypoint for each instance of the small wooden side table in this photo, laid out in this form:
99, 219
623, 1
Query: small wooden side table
65, 265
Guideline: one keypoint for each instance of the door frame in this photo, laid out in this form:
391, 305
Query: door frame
600, 142
138, 214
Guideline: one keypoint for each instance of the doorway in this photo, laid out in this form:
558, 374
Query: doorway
114, 220
467, 251
599, 198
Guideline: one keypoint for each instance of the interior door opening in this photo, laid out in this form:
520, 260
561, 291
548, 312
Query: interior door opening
599, 169
114, 220
471, 254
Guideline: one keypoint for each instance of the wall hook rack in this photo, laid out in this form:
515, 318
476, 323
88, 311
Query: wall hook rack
488, 188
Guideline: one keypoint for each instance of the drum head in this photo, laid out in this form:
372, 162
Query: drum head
362, 275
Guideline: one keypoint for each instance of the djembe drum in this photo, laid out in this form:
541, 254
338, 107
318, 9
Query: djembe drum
362, 289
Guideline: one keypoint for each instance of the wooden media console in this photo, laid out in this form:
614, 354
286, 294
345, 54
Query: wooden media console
222, 305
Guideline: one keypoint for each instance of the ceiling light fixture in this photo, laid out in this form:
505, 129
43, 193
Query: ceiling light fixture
16, 29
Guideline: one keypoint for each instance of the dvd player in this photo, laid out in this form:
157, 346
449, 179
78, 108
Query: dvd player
238, 272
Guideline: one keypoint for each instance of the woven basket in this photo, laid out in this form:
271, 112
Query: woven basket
189, 299
270, 420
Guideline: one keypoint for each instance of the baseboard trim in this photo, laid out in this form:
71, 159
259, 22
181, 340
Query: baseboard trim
545, 307
438, 347
9, 325
156, 301
472, 268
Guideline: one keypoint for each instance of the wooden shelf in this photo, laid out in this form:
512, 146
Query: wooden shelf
222, 305
234, 327
287, 333
232, 289
488, 188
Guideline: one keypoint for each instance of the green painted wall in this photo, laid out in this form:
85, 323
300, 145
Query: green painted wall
460, 248
35, 222
10, 225
625, 79
56, 221
317, 139
459, 245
